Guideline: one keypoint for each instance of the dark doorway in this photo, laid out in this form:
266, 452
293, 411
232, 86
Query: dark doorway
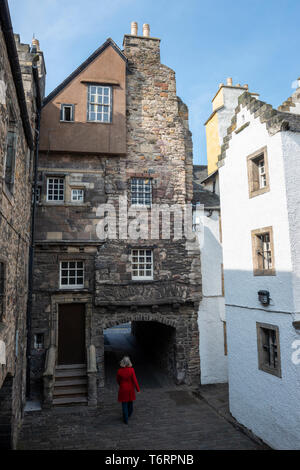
71, 334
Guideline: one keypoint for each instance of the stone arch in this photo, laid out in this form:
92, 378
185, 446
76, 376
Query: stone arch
157, 317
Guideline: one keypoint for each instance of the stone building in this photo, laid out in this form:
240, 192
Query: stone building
114, 135
20, 100
259, 176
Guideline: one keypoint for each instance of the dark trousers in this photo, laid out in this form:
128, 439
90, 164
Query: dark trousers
127, 408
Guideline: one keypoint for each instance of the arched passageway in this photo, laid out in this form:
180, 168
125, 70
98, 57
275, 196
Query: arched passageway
151, 347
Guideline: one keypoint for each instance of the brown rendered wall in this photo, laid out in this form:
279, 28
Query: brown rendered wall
80, 135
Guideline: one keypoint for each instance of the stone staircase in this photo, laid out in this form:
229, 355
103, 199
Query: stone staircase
70, 386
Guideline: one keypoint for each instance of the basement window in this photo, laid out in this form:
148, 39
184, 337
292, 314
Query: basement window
39, 341
268, 348
71, 274
142, 264
67, 112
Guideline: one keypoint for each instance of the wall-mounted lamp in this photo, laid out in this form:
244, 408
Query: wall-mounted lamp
264, 297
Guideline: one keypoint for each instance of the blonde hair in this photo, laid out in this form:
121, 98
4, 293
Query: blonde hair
125, 362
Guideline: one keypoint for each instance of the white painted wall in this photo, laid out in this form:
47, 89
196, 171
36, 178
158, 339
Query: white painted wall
213, 361
264, 403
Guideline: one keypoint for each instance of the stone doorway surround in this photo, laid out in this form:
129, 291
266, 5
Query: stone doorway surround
56, 301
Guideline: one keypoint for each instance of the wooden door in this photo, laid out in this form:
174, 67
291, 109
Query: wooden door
71, 334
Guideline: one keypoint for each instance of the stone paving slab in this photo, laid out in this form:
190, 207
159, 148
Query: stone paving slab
165, 418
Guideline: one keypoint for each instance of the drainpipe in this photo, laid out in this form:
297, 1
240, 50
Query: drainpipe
31, 248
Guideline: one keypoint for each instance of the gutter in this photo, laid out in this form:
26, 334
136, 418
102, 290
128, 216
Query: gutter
12, 53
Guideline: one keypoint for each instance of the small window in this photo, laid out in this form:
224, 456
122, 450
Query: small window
263, 252
142, 264
99, 103
9, 175
77, 195
55, 189
141, 191
39, 341
268, 348
71, 274
38, 192
67, 112
258, 177
2, 290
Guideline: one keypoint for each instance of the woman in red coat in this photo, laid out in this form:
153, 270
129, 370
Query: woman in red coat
127, 382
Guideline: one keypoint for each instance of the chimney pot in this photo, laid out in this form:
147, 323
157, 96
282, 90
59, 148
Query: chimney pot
134, 28
146, 30
35, 42
246, 86
229, 81
221, 84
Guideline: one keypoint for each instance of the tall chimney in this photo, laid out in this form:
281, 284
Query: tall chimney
229, 81
146, 30
134, 28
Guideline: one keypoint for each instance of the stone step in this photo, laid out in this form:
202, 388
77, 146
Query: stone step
70, 382
69, 391
70, 366
70, 373
70, 401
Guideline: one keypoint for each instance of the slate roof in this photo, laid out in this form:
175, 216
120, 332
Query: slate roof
88, 61
201, 195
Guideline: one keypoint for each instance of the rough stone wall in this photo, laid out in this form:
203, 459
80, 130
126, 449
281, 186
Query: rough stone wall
15, 224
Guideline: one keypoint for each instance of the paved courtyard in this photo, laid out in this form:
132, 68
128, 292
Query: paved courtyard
165, 416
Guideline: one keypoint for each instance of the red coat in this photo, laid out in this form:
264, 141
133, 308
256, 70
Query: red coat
127, 381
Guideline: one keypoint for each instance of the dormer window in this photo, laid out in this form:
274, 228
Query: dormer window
99, 103
67, 112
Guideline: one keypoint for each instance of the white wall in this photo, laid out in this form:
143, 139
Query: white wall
213, 361
264, 403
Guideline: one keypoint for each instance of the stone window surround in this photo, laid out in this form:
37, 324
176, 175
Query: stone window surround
256, 269
13, 123
261, 364
69, 298
251, 168
67, 190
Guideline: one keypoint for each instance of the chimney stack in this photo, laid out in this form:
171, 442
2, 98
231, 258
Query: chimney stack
35, 44
146, 30
134, 28
229, 81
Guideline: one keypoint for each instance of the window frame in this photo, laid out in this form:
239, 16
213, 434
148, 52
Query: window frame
77, 201
253, 172
12, 129
62, 112
55, 201
139, 277
144, 193
95, 103
258, 270
261, 352
61, 268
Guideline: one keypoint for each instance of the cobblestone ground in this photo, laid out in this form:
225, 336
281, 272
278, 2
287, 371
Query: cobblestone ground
165, 416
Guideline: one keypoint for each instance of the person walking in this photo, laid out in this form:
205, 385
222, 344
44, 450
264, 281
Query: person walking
127, 385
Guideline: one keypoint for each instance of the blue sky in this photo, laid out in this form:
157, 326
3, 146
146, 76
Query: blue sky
252, 41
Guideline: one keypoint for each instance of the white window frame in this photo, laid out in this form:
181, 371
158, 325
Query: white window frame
61, 187
139, 257
139, 196
68, 268
99, 103
63, 115
78, 201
